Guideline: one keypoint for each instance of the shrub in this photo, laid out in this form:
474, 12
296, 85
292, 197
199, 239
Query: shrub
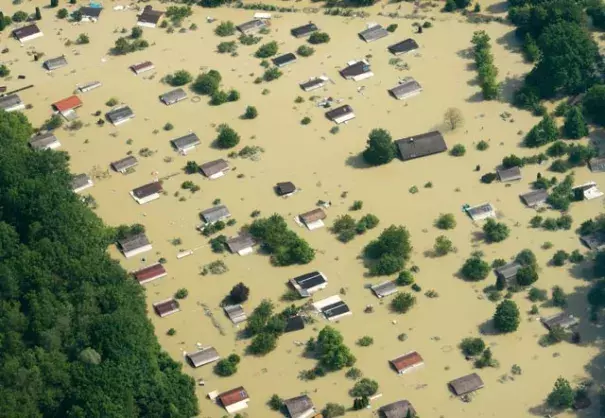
507, 317
475, 269
219, 97
179, 78
19, 16
305, 51
272, 74
353, 373
276, 403
62, 13
233, 95
267, 50
227, 137
392, 27
559, 166
495, 231
472, 346
239, 293
576, 257
403, 302
537, 295
559, 298
191, 167
562, 395
305, 121
536, 221
488, 178
319, 38
250, 113
405, 278
458, 150
207, 83
364, 387
365, 341
357, 205
559, 258
446, 221
226, 367
370, 221
83, 39
482, 145
225, 29
249, 39
443, 246
227, 47
333, 410
181, 293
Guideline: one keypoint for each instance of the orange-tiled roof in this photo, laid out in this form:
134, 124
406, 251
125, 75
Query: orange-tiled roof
67, 104
406, 361
233, 396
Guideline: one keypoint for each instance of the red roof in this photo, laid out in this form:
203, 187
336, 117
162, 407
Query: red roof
233, 396
150, 272
406, 361
67, 104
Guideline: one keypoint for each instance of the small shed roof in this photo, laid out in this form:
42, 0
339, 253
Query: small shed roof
235, 313
407, 361
42, 141
142, 66
94, 12
313, 83
479, 210
309, 280
69, 103
10, 101
508, 271
466, 384
405, 88
204, 356
214, 167
119, 114
79, 180
403, 47
339, 112
26, 31
240, 242
285, 188
304, 30
562, 319
355, 69
299, 406
284, 59
215, 213
373, 33
316, 214
384, 289
147, 190
233, 396
535, 197
509, 174
399, 409
124, 163
134, 242
421, 145
597, 164
54, 63
147, 273
173, 96
185, 141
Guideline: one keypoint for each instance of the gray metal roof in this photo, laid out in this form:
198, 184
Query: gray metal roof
373, 33
405, 88
213, 167
313, 83
593, 241
125, 163
509, 174
480, 209
134, 242
79, 180
384, 289
203, 356
399, 409
304, 30
251, 26
299, 406
215, 213
42, 141
54, 63
185, 141
466, 384
561, 319
534, 197
9, 101
355, 69
240, 242
597, 164
26, 31
421, 145
339, 112
235, 313
508, 271
173, 96
403, 47
120, 114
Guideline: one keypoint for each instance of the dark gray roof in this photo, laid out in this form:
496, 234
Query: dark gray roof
339, 111
508, 271
534, 197
9, 101
285, 188
91, 11
384, 289
284, 59
298, 406
294, 323
215, 213
202, 357
54, 63
147, 190
373, 33
150, 16
185, 141
597, 164
358, 68
251, 26
304, 30
79, 180
562, 319
309, 280
399, 409
403, 47
125, 163
405, 88
42, 141
134, 242
173, 96
120, 114
26, 31
240, 242
421, 145
466, 384
335, 309
313, 83
593, 241
509, 174
213, 167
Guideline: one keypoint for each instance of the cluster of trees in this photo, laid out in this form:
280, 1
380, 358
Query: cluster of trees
76, 338
475, 268
452, 5
485, 64
319, 38
133, 43
179, 78
390, 251
402, 302
380, 148
346, 228
266, 327
594, 104
552, 224
209, 83
495, 231
544, 132
526, 275
330, 350
177, 14
227, 137
563, 396
562, 195
285, 246
364, 388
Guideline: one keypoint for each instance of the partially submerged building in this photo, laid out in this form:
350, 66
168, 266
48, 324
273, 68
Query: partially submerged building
214, 169
67, 107
294, 323
234, 400
149, 18
215, 214
304, 30
90, 14
242, 244
314, 83
185, 143
407, 362
285, 189
421, 145
166, 307
357, 70
147, 193
235, 313
481, 212
341, 114
55, 63
466, 384
587, 191
299, 407
252, 27
403, 47
86, 87
534, 198
125, 164
80, 182
142, 67
44, 141
373, 33
595, 242
384, 289
11, 103
120, 115
27, 33
309, 283
150, 273
399, 409
333, 308
561, 320
408, 87
202, 357
173, 96
508, 272
313, 219
284, 59
508, 174
134, 245
597, 165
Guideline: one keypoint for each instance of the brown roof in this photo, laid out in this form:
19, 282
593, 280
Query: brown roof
149, 272
399, 409
406, 361
141, 65
466, 384
233, 396
147, 190
213, 167
312, 216
166, 306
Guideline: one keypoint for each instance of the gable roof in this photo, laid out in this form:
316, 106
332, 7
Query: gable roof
202, 357
9, 101
355, 69
150, 16
147, 190
240, 242
407, 361
384, 289
173, 96
185, 141
213, 167
373, 33
120, 114
316, 214
284, 59
399, 409
298, 406
215, 213
79, 180
508, 271
69, 103
251, 26
134, 242
534, 197
406, 87
235, 313
479, 210
304, 30
308, 281
149, 273
466, 384
26, 31
42, 141
145, 65
335, 309
593, 241
54, 63
561, 319
91, 11
509, 174
285, 188
597, 164
404, 46
166, 307
339, 112
313, 83
233, 396
421, 145
125, 163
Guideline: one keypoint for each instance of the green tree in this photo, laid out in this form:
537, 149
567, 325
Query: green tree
38, 14
472, 346
179, 78
561, 396
207, 83
526, 276
559, 258
594, 104
380, 148
305, 51
544, 132
446, 221
333, 410
286, 248
331, 351
250, 113
19, 16
263, 343
267, 50
276, 403
225, 29
495, 231
390, 251
62, 13
443, 246
575, 127
239, 293
225, 368
364, 387
54, 3
458, 150
403, 302
507, 317
475, 269
559, 298
319, 38
227, 137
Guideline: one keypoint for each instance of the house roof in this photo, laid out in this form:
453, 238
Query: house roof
298, 406
384, 289
54, 63
405, 88
309, 280
134, 242
284, 59
339, 112
294, 323
26, 31
147, 190
69, 103
597, 164
213, 167
399, 409
240, 242
304, 30
149, 272
124, 163
233, 396
317, 214
9, 101
508, 271
215, 213
141, 66
421, 145
166, 306
91, 11
256, 24
185, 141
173, 96
480, 209
79, 180
593, 241
235, 313
150, 16
314, 82
119, 114
285, 188
561, 319
43, 140
373, 33
335, 309
466, 384
355, 69
203, 356
403, 47
534, 197
406, 361
509, 174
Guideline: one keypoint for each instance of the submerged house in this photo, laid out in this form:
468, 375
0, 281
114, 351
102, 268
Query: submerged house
90, 14
309, 283
242, 244
120, 115
421, 145
252, 27
142, 67
407, 362
285, 189
235, 313
481, 212
561, 320
214, 169
81, 182
508, 272
508, 174
147, 193
185, 143
595, 242
534, 198
357, 70
284, 60
44, 141
313, 219
299, 407
125, 164
333, 308
149, 18
166, 307
408, 87
86, 87
150, 273
234, 400
11, 103
314, 83
294, 323
134, 245
304, 30
27, 33
597, 164
202, 357
399, 409
403, 47
587, 191
373, 33
384, 289
67, 107
173, 96
215, 214
341, 114
466, 384
55, 63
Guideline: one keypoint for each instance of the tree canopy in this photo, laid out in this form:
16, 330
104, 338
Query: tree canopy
380, 148
507, 316
390, 251
594, 104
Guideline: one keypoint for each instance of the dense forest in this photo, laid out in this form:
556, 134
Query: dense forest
74, 337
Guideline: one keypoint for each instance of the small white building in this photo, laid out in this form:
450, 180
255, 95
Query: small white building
142, 67
83, 88
147, 193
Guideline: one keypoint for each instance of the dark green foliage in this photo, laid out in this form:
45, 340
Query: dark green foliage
6, 21
506, 317
527, 258
225, 29
403, 302
218, 244
486, 360
484, 60
62, 13
405, 278
576, 257
559, 166
54, 122
495, 231
179, 78
181, 293
474, 269
54, 3
579, 155
557, 149
488, 178
249, 39
594, 104
227, 137
178, 13
512, 161
559, 298
458, 150
123, 46
239, 293
596, 295
285, 246
251, 112
319, 38
392, 27
526, 276
276, 403
380, 148
482, 145
227, 366
272, 73
559, 258
191, 167
207, 83
562, 395
38, 14
531, 52
267, 50
19, 16
537, 295
446, 221
219, 97
472, 346
263, 343
596, 10
365, 341
575, 126
79, 341
305, 51
561, 195
390, 251
536, 221
364, 387
331, 351
226, 47
136, 32
333, 410
360, 403
544, 132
